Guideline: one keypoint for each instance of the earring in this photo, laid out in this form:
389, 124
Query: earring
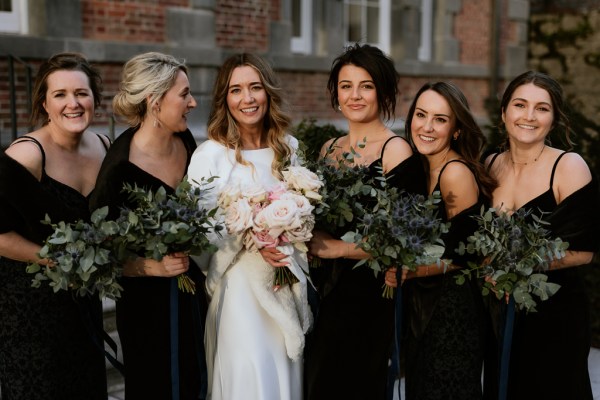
455, 136
340, 108
156, 123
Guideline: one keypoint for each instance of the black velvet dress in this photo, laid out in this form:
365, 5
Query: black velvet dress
550, 348
348, 351
49, 349
144, 320
444, 341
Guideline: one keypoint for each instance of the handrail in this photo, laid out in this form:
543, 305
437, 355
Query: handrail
12, 91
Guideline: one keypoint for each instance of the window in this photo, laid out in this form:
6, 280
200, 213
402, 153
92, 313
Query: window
302, 26
426, 45
13, 16
368, 21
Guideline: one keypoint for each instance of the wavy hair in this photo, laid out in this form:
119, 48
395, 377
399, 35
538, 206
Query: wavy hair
378, 65
470, 142
145, 76
61, 62
223, 128
555, 92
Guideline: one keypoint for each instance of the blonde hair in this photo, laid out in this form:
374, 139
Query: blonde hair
223, 128
145, 76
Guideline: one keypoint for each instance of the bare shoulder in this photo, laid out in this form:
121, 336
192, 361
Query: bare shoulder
458, 179
572, 173
326, 148
396, 151
28, 154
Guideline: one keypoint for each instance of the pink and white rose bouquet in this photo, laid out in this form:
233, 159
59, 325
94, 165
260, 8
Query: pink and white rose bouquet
278, 216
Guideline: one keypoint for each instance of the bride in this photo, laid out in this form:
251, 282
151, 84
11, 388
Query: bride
254, 335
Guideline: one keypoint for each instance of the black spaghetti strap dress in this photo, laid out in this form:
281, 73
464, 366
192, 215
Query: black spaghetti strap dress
348, 351
549, 355
445, 323
47, 348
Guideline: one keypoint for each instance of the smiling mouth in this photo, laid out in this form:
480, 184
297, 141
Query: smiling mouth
528, 127
249, 110
427, 138
73, 115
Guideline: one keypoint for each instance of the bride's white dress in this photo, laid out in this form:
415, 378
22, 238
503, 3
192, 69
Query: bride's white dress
254, 336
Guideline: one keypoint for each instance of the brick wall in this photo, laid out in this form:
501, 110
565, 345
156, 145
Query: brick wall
129, 21
244, 25
472, 28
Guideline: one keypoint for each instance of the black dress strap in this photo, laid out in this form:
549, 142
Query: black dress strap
385, 144
554, 168
444, 167
101, 137
492, 162
26, 138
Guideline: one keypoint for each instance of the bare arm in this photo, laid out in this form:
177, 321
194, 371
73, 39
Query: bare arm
323, 245
171, 265
16, 247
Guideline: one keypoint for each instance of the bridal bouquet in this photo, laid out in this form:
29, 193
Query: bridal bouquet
517, 250
80, 257
402, 229
278, 216
87, 256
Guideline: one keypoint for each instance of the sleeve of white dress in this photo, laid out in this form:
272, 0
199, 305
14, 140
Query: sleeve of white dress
211, 160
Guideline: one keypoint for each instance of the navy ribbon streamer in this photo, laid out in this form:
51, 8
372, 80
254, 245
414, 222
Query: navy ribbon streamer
506, 347
200, 354
394, 370
174, 332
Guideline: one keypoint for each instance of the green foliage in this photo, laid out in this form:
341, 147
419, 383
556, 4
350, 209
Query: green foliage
87, 257
394, 227
516, 250
313, 136
80, 259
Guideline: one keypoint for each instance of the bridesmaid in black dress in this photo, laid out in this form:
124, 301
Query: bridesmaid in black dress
348, 353
48, 346
550, 347
152, 314
445, 321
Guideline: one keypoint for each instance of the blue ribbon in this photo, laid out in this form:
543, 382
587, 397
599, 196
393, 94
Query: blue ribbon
174, 332
506, 347
394, 370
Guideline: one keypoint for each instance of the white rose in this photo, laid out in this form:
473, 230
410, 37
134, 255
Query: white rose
303, 233
302, 179
304, 206
255, 193
238, 216
277, 217
228, 195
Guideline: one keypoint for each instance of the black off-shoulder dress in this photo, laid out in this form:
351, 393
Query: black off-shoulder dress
549, 356
47, 348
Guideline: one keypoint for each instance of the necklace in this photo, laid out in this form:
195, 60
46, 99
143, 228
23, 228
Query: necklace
525, 163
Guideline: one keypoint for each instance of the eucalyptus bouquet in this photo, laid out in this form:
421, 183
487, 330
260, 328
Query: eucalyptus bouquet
402, 229
517, 250
274, 217
344, 185
80, 257
87, 256
162, 224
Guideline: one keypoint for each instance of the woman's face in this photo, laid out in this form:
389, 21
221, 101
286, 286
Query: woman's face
69, 101
529, 114
176, 104
247, 99
357, 95
433, 123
